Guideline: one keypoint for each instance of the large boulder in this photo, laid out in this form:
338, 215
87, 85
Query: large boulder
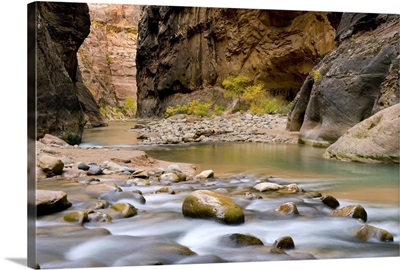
207, 204
375, 139
48, 202
351, 83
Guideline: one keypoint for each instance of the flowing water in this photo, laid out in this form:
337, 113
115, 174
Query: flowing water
238, 167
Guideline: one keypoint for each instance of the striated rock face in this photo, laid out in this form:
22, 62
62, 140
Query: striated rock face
107, 56
64, 105
186, 52
375, 139
353, 82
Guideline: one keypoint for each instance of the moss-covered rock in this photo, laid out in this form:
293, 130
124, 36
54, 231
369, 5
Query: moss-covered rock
240, 240
285, 242
353, 211
79, 217
206, 204
125, 209
368, 232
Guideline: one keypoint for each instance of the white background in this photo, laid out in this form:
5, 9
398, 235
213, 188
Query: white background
13, 214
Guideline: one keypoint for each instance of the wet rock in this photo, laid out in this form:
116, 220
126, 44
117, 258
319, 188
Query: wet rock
201, 259
169, 177
137, 182
144, 174
48, 202
125, 210
330, 201
267, 187
105, 187
368, 233
53, 164
99, 217
165, 190
240, 240
205, 174
79, 217
353, 211
294, 188
83, 166
124, 196
285, 242
73, 173
94, 170
206, 204
289, 208
252, 196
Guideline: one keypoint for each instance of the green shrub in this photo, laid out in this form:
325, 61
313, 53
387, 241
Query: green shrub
194, 107
218, 109
198, 108
130, 107
316, 75
235, 86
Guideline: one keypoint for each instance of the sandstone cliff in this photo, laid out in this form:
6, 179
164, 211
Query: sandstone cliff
107, 56
356, 80
186, 52
64, 104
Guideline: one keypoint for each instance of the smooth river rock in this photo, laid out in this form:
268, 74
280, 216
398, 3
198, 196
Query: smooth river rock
353, 211
240, 240
48, 201
376, 139
50, 163
206, 204
368, 232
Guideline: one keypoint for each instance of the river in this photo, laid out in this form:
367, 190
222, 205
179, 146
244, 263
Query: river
238, 167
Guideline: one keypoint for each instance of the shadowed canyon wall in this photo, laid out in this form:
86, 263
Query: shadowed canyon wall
107, 56
64, 104
186, 52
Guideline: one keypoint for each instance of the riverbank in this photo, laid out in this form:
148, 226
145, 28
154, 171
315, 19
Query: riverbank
237, 127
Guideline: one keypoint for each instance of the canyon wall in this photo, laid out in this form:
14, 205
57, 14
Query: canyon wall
186, 52
64, 104
356, 80
107, 56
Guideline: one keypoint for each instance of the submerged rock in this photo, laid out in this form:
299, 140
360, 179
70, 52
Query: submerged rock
206, 204
48, 202
353, 211
240, 240
368, 232
289, 208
